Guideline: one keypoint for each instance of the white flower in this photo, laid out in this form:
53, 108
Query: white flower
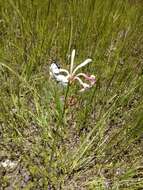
64, 77
55, 73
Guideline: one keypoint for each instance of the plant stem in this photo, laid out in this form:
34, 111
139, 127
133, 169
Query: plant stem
65, 100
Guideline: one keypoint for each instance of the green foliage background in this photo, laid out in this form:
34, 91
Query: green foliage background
94, 142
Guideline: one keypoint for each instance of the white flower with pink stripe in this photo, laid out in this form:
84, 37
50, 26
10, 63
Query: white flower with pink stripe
66, 77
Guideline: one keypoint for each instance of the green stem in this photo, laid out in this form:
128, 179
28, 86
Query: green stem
65, 100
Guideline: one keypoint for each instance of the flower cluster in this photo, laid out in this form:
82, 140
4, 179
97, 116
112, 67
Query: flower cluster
65, 77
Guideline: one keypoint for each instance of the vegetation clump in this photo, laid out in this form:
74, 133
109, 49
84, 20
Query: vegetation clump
51, 135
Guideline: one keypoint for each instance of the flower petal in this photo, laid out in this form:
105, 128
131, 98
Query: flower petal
85, 85
64, 71
82, 90
90, 78
72, 60
54, 69
82, 65
62, 79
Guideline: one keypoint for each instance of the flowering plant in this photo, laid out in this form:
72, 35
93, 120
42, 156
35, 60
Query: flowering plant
66, 77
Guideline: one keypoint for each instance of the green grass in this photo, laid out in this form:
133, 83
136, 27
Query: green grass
96, 143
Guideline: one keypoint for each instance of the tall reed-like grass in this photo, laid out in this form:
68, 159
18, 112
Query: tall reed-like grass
60, 138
